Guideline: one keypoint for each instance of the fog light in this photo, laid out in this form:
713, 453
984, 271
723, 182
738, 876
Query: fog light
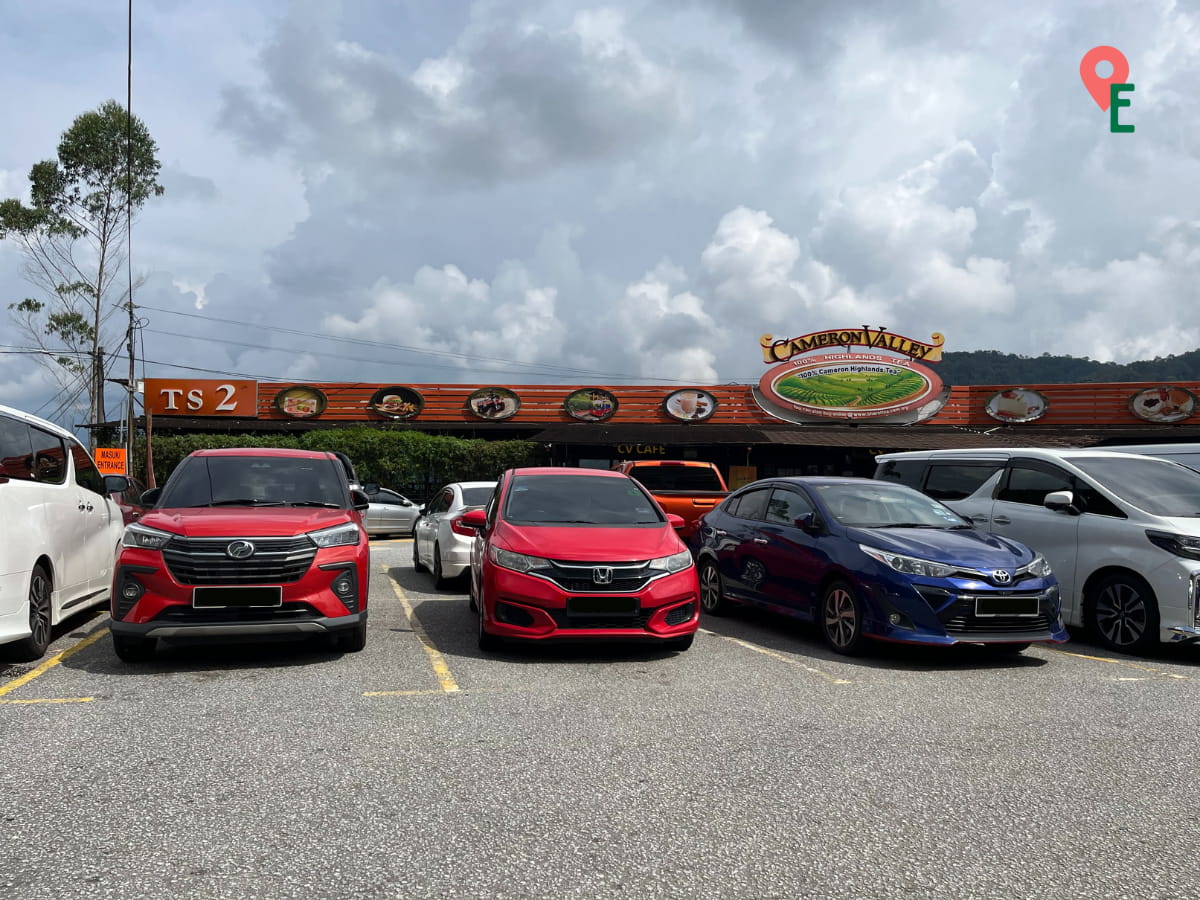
894, 618
131, 591
343, 587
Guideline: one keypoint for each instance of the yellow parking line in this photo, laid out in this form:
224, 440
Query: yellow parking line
51, 662
779, 656
1116, 662
399, 693
50, 700
440, 669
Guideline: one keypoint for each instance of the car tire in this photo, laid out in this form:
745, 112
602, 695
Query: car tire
1121, 612
418, 566
712, 590
488, 643
440, 580
40, 613
352, 640
133, 649
841, 619
679, 644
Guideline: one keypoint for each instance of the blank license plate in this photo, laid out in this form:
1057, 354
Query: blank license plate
237, 596
1006, 606
605, 606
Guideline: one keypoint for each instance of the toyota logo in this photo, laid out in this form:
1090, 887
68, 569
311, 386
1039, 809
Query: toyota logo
240, 550
602, 575
1002, 576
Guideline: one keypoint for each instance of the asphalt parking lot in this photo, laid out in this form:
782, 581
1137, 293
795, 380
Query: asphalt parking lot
757, 764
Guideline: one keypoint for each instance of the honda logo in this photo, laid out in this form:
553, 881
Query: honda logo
1002, 576
602, 575
240, 550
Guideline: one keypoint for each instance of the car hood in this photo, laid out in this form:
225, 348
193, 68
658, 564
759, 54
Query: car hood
589, 543
957, 547
241, 521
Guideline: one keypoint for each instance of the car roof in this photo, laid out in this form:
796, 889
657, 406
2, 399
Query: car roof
814, 480
470, 484
1067, 453
265, 451
567, 470
31, 419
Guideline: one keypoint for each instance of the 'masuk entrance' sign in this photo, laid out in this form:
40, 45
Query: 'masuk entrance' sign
821, 377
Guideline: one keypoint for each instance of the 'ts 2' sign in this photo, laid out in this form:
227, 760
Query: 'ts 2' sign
186, 397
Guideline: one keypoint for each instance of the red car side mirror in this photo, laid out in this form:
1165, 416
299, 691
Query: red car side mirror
675, 521
475, 518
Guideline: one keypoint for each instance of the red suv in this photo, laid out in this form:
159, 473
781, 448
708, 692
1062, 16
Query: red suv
245, 543
579, 553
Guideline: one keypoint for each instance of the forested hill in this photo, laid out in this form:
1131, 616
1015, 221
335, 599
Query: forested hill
993, 367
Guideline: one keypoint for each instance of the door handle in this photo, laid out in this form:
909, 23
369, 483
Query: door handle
980, 519
760, 540
81, 506
1002, 520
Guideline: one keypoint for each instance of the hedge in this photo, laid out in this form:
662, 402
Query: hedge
411, 462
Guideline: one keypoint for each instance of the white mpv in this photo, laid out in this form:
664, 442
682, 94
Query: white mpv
59, 531
1120, 531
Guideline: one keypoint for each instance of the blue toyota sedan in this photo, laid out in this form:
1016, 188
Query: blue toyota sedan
868, 559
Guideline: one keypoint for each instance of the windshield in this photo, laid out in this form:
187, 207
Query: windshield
477, 496
676, 478
579, 500
880, 505
1156, 486
254, 481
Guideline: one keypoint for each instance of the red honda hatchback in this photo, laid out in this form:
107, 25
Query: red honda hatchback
565, 553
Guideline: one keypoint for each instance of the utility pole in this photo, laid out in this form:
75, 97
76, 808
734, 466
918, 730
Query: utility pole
98, 416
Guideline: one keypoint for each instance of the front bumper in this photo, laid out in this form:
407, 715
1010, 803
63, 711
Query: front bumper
517, 605
1184, 634
235, 628
948, 616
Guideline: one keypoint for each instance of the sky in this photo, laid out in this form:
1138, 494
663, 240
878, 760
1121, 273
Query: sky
498, 192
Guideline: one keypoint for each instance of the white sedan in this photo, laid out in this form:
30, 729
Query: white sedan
440, 544
389, 513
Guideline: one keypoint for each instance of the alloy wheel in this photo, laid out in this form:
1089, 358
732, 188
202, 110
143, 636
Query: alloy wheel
39, 609
841, 617
1121, 614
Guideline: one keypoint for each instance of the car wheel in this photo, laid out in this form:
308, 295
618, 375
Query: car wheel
34, 646
133, 649
841, 619
679, 644
712, 591
487, 642
1122, 613
1005, 649
353, 639
418, 566
439, 578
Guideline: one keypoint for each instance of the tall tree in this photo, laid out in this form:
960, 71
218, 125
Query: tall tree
74, 236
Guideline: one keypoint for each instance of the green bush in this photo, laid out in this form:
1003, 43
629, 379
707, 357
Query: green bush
410, 462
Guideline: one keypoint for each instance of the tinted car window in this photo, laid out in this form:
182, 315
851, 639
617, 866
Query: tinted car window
49, 457
476, 496
86, 473
1157, 486
954, 481
1030, 484
876, 505
753, 504
16, 450
676, 478
251, 480
561, 499
905, 471
786, 506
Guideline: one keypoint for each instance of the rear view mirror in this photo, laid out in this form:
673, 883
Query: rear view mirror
675, 520
808, 523
1061, 501
359, 499
476, 519
371, 487
115, 484
150, 497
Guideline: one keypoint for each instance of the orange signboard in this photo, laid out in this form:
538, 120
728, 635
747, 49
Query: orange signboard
110, 460
188, 397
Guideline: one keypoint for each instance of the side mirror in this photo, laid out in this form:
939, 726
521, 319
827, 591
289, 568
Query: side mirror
359, 499
371, 487
476, 519
808, 523
114, 484
150, 497
1061, 501
675, 521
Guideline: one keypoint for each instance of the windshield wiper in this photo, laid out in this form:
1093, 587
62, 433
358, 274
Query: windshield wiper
909, 525
320, 503
246, 501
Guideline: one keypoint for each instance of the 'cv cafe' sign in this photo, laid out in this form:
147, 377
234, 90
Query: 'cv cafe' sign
188, 397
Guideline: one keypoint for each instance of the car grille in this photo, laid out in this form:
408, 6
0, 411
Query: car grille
288, 612
679, 615
204, 560
563, 619
970, 624
579, 577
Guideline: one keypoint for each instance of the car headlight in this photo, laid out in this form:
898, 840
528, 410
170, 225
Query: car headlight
909, 565
518, 562
337, 536
1184, 545
144, 537
676, 562
1039, 568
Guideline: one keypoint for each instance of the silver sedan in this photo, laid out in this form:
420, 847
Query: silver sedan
439, 543
389, 513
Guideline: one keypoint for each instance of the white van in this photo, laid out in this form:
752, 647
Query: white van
60, 531
1121, 531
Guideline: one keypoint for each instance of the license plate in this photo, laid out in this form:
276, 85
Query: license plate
604, 606
214, 597
1006, 606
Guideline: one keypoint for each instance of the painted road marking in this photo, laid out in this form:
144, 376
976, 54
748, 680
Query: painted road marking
49, 700
1117, 662
51, 662
779, 656
440, 669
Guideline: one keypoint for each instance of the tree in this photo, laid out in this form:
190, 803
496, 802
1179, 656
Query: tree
74, 236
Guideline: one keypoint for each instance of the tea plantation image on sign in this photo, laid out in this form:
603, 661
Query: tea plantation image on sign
861, 388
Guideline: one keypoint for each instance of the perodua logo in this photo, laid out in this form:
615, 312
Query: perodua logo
602, 575
1001, 576
240, 550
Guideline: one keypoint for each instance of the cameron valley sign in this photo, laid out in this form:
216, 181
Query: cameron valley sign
819, 377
